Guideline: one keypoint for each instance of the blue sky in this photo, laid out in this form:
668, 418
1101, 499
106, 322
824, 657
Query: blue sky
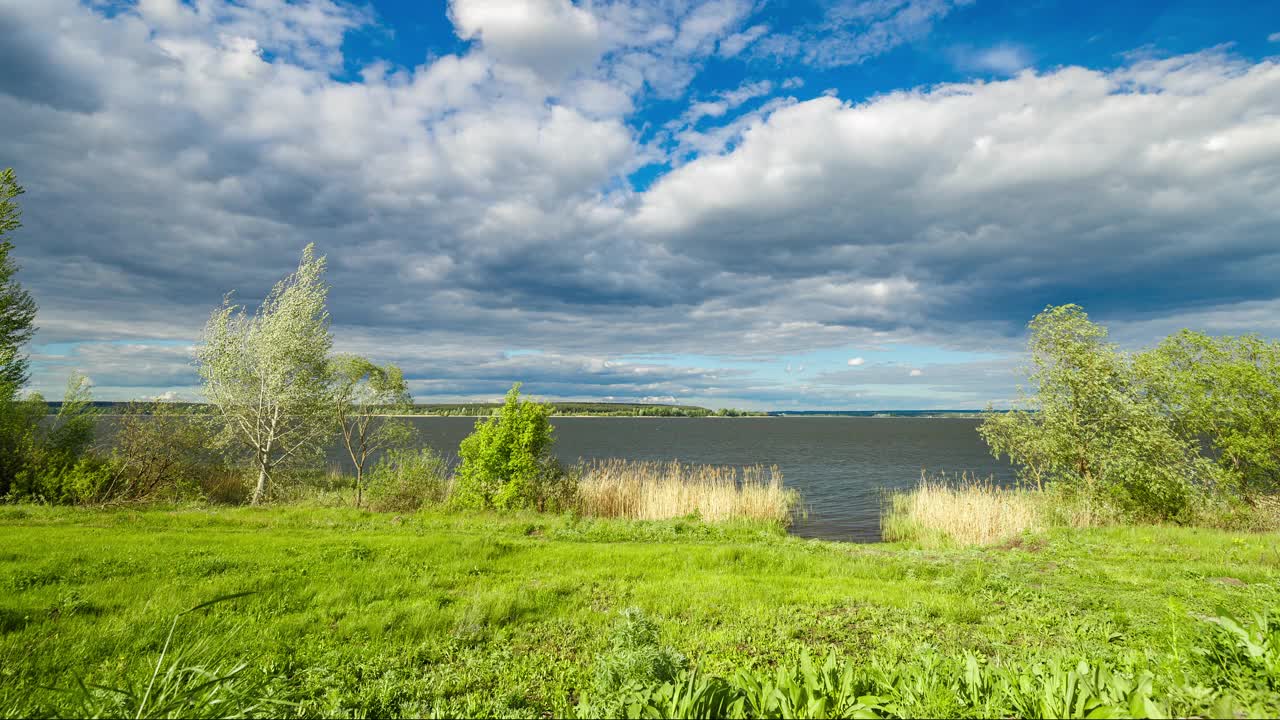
843, 204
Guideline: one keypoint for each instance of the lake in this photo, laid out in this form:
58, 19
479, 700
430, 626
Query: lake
839, 464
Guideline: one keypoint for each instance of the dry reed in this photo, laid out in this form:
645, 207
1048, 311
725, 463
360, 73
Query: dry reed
969, 511
660, 490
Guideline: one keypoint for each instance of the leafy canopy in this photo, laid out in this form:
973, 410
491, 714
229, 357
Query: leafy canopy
363, 393
1091, 427
268, 374
1225, 391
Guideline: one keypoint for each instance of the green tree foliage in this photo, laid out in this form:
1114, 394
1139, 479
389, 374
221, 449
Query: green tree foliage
267, 375
19, 424
51, 459
18, 418
17, 308
1224, 391
362, 392
1091, 427
507, 461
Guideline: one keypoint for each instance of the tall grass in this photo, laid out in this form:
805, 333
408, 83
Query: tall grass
971, 511
661, 490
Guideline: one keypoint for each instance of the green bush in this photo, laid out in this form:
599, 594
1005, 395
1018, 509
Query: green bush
407, 480
78, 483
48, 458
19, 436
507, 462
1092, 428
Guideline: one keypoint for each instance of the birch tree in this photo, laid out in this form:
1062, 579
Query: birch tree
364, 394
267, 374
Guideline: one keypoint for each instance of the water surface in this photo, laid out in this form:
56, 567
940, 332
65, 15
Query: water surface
840, 465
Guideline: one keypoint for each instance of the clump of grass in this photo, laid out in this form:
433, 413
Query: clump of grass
663, 490
971, 511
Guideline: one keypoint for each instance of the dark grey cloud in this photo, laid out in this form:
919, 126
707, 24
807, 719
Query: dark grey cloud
470, 207
37, 69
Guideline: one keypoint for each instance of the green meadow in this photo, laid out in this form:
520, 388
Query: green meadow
357, 614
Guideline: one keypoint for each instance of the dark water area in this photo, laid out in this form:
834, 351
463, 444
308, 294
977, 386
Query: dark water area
841, 465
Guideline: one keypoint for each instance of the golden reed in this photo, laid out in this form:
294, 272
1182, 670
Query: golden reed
661, 490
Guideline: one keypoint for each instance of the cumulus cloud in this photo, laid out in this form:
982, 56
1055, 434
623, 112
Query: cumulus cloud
854, 362
551, 37
1001, 197
478, 202
916, 373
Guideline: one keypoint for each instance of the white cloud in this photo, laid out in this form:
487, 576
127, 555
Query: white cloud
1031, 180
1001, 59
1274, 37
855, 30
467, 209
551, 37
856, 361
736, 43
916, 373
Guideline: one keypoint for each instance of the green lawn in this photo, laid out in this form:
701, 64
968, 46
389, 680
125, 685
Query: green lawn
356, 613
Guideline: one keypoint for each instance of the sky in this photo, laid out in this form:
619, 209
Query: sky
764, 204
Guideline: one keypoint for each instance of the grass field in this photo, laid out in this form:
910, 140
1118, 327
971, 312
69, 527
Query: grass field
364, 614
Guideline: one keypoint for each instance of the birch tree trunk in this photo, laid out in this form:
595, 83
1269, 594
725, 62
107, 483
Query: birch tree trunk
261, 488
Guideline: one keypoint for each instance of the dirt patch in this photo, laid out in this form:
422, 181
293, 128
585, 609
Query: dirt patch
1233, 582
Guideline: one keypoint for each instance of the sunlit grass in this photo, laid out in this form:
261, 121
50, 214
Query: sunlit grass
360, 613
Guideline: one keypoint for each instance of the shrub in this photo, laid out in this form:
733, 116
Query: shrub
78, 483
161, 452
507, 462
406, 480
43, 454
19, 425
635, 659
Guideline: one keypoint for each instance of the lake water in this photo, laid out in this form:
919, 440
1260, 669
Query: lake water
840, 465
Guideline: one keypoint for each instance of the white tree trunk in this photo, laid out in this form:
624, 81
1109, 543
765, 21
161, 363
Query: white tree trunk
261, 489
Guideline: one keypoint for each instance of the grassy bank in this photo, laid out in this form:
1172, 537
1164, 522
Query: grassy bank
357, 613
